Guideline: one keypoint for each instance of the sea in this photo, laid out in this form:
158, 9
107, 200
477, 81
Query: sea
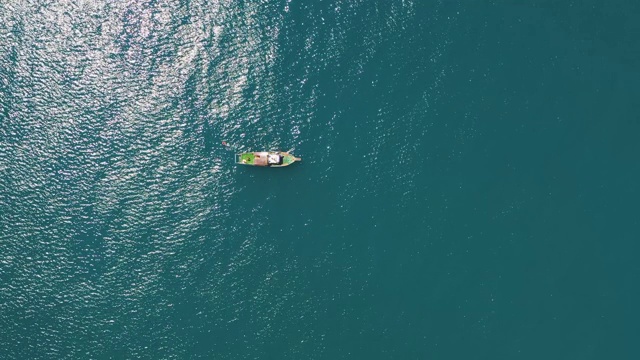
468, 186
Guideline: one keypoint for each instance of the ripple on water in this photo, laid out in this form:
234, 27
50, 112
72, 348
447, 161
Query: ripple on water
123, 229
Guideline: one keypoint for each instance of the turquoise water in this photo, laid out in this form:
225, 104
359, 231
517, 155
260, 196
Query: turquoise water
468, 187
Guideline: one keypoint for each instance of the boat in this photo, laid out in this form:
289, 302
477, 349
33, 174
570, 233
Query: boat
266, 158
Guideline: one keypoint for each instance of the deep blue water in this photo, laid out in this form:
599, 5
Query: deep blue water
468, 190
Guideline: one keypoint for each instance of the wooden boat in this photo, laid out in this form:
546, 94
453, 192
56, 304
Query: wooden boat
266, 158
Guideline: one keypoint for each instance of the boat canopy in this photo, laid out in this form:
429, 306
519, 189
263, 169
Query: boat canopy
274, 158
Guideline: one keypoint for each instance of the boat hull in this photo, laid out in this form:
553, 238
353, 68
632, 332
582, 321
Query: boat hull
266, 158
